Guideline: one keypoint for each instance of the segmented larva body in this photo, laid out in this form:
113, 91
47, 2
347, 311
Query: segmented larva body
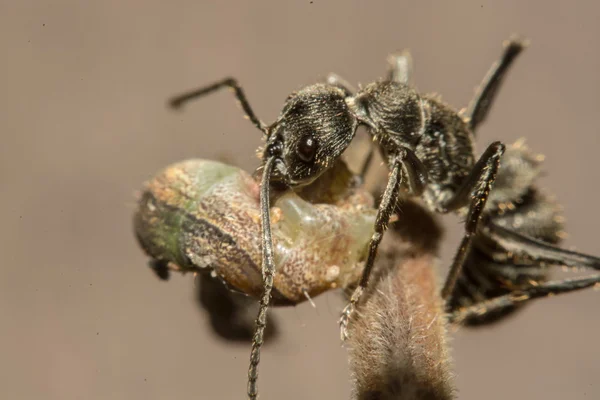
201, 215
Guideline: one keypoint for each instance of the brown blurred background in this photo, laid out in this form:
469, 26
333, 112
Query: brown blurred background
84, 123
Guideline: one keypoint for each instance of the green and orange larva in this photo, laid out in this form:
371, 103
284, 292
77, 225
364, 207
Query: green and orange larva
200, 215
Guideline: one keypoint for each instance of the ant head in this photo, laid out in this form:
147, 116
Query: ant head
312, 131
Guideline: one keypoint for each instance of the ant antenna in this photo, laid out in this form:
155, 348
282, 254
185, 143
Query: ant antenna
178, 101
268, 262
268, 269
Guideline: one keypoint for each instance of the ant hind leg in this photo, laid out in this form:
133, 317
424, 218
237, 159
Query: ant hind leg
474, 193
480, 106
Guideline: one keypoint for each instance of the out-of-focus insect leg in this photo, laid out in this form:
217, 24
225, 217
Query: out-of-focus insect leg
336, 80
366, 164
400, 67
163, 269
160, 268
474, 193
484, 97
542, 290
180, 100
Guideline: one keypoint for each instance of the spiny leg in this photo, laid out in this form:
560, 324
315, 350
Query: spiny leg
417, 178
400, 67
268, 269
484, 97
180, 100
522, 295
474, 193
518, 244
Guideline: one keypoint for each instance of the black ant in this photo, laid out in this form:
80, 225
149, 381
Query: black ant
427, 145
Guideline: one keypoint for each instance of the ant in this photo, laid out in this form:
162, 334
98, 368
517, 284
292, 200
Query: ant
427, 145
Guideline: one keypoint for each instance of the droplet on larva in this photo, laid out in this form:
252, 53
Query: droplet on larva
333, 273
276, 215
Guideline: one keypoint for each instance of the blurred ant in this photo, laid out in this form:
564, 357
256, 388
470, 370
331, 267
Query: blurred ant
427, 145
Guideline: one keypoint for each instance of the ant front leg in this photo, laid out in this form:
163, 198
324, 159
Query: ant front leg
474, 193
417, 179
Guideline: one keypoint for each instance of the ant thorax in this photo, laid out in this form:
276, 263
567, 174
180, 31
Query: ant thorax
393, 113
398, 117
446, 150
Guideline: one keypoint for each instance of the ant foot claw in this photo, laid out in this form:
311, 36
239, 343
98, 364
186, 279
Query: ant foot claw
347, 313
345, 320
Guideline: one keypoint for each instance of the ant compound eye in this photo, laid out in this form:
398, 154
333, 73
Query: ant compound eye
307, 148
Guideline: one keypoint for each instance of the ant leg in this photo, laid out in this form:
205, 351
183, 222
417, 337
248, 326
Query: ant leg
474, 192
417, 178
178, 101
484, 97
400, 67
386, 207
336, 80
519, 296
